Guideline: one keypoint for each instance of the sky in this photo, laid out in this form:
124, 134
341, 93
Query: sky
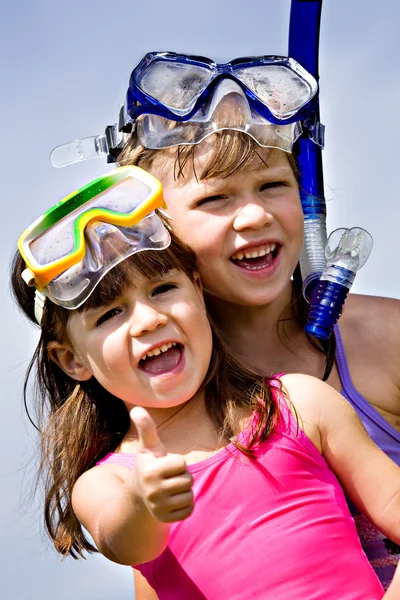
64, 70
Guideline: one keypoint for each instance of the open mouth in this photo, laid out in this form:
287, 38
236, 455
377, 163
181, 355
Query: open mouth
256, 258
163, 359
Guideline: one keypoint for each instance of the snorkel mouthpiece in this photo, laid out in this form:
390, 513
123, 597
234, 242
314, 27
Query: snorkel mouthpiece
347, 250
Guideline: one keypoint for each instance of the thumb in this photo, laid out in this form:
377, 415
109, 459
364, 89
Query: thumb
147, 432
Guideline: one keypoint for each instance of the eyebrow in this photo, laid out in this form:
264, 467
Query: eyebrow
91, 311
275, 171
174, 272
218, 186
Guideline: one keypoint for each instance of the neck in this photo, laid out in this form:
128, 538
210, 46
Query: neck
182, 429
245, 322
267, 337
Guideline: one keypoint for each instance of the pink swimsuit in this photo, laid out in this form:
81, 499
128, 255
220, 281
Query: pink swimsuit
276, 527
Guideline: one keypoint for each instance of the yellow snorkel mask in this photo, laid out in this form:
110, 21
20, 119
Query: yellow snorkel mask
70, 248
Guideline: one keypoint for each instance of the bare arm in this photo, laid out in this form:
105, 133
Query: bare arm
393, 592
143, 591
128, 512
370, 328
370, 478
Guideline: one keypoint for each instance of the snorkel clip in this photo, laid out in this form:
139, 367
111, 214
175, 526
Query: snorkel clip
315, 129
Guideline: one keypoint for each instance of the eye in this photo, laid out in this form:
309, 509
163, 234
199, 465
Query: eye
209, 200
271, 184
163, 288
107, 316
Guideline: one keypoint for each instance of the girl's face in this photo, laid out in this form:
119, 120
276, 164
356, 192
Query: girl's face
151, 346
246, 229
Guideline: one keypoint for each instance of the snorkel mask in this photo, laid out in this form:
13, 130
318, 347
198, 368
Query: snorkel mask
176, 99
72, 246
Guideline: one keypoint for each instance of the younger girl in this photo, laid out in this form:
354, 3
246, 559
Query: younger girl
177, 460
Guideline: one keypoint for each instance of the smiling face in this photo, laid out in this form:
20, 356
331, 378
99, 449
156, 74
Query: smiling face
246, 228
150, 346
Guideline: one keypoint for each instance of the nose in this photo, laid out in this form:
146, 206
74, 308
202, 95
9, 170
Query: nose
252, 214
146, 318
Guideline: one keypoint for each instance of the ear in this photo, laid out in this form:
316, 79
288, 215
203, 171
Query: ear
64, 356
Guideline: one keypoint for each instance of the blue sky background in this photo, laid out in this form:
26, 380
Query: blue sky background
64, 69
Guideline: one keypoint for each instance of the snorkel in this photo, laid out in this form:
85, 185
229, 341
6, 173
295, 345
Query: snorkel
328, 267
304, 29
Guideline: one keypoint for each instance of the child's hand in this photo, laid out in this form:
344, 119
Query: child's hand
164, 483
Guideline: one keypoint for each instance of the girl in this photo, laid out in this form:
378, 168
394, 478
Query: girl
236, 203
174, 458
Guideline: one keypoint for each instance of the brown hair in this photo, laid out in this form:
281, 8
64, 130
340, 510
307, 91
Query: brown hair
80, 422
232, 151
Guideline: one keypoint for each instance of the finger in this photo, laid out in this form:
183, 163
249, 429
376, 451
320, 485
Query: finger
179, 507
180, 515
172, 465
178, 485
147, 432
181, 501
160, 493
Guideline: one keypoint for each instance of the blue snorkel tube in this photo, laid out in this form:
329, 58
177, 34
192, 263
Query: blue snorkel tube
304, 28
328, 267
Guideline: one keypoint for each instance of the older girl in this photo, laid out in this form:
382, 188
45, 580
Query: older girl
236, 203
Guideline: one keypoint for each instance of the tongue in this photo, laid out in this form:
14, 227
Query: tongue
259, 262
164, 362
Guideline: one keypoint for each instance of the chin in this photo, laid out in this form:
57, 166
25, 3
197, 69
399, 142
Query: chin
253, 299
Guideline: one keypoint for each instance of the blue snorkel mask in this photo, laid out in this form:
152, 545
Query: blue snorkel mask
175, 99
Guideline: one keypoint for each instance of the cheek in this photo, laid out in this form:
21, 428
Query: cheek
193, 227
108, 356
200, 233
196, 323
293, 218
298, 225
203, 338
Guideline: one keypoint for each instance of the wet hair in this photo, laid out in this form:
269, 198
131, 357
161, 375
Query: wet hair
80, 422
233, 151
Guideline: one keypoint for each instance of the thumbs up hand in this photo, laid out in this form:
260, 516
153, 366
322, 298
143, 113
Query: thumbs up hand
164, 483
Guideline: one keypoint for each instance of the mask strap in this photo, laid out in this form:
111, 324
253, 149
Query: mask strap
109, 144
29, 278
39, 306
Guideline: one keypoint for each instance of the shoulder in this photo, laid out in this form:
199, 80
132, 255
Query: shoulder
98, 482
370, 327
313, 403
318, 406
305, 392
373, 303
375, 316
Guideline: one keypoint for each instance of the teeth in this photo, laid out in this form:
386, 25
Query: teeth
157, 351
254, 253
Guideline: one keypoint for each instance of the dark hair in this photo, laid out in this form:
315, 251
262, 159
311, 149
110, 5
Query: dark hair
232, 151
80, 422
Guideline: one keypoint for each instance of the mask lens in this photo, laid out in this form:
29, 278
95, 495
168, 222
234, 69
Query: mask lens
106, 246
58, 241
175, 84
278, 87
